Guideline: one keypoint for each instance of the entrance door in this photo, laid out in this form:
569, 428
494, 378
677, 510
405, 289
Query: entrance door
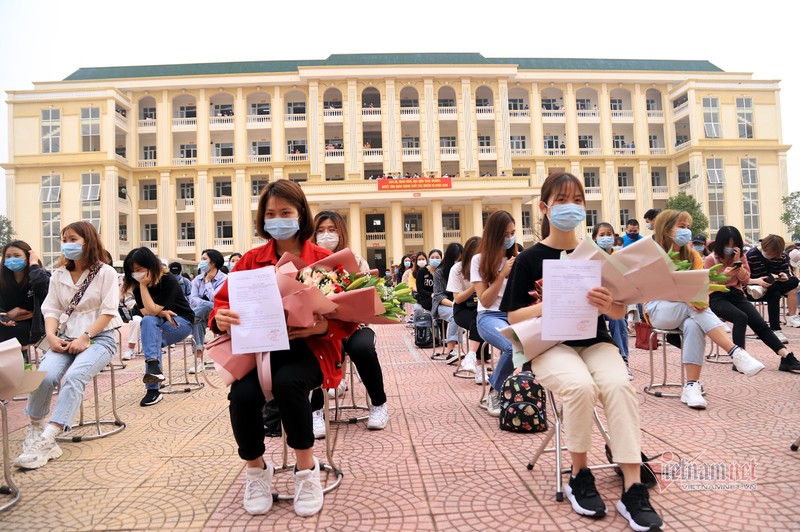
376, 257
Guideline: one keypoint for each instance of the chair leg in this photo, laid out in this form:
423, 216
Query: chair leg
185, 385
796, 444
9, 488
98, 423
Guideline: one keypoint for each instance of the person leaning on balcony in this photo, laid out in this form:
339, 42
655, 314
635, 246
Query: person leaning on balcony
312, 360
204, 287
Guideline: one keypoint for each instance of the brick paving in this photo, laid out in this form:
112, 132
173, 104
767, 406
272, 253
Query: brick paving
442, 463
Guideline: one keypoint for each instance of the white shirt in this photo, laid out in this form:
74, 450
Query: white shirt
101, 298
475, 277
456, 282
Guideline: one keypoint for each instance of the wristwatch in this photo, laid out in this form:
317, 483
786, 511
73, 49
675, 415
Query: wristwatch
89, 335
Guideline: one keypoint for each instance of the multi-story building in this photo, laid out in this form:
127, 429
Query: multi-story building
173, 157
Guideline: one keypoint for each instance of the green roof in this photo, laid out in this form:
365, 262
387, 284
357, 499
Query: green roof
258, 67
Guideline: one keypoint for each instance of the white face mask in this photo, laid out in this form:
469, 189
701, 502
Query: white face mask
328, 241
422, 263
138, 276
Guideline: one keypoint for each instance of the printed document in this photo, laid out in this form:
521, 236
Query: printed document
567, 314
255, 296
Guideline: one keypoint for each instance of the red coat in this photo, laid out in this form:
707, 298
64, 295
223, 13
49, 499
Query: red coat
327, 348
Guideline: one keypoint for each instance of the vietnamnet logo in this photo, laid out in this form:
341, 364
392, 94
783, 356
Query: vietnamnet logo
698, 474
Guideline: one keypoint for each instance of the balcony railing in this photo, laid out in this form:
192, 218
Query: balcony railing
223, 200
412, 235
658, 151
257, 241
409, 112
184, 122
223, 242
453, 234
526, 113
147, 122
220, 120
146, 164
624, 151
487, 150
371, 113
259, 119
152, 244
448, 152
334, 154
590, 151
185, 244
586, 113
553, 114
527, 231
680, 109
297, 119
121, 158
189, 203
683, 145
660, 190
184, 204
555, 151
332, 113
593, 192
227, 159
373, 152
259, 158
120, 120
684, 187
627, 191
655, 113
297, 157
411, 152
254, 201
622, 113
525, 152
371, 237
484, 112
184, 161
450, 112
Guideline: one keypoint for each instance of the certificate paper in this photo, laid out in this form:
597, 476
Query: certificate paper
567, 314
255, 296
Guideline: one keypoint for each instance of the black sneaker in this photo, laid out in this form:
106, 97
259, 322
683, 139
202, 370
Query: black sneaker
150, 398
452, 358
153, 375
789, 363
635, 507
583, 495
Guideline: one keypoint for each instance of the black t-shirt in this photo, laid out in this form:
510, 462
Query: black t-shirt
168, 294
526, 271
425, 288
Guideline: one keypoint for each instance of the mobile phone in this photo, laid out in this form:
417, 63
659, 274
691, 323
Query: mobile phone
769, 279
5, 319
738, 264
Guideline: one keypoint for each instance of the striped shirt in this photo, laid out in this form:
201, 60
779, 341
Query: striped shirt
761, 267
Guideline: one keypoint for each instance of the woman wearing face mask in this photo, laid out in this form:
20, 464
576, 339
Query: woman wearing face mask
619, 243
331, 233
733, 306
23, 287
583, 371
699, 245
166, 315
418, 269
424, 277
284, 220
404, 276
442, 302
489, 274
673, 234
81, 344
603, 235
233, 259
204, 287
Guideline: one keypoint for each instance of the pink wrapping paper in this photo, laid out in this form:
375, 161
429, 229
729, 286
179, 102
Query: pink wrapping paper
14, 380
526, 338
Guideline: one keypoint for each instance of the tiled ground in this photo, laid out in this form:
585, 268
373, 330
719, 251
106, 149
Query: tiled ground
442, 464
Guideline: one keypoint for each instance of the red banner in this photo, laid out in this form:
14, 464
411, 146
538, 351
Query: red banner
416, 183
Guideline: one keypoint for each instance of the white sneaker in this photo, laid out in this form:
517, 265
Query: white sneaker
480, 374
308, 496
470, 362
630, 375
452, 358
32, 433
745, 363
318, 419
128, 354
378, 417
340, 390
200, 365
38, 454
781, 337
793, 321
257, 494
693, 396
494, 404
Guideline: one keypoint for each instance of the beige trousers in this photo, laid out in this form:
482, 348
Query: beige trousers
582, 375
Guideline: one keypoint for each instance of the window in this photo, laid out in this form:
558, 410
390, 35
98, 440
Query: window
655, 142
123, 232
259, 109
651, 104
332, 104
619, 142
187, 151
484, 141
592, 217
51, 189
186, 231
715, 171
90, 129
149, 192
585, 141
222, 109
412, 221
447, 142
551, 142
51, 232
749, 172
549, 104
527, 221
410, 142
149, 153
150, 232
744, 117
516, 104
656, 179
224, 229
590, 180
711, 118
185, 191
518, 142
187, 111
624, 216
295, 108
752, 226
223, 149
622, 179
716, 207
90, 212
482, 102
451, 221
447, 102
148, 113
681, 139
51, 131
409, 102
683, 177
256, 185
90, 187
298, 146
222, 189
583, 104
262, 147
616, 104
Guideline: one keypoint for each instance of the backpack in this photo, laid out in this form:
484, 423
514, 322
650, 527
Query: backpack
523, 404
423, 322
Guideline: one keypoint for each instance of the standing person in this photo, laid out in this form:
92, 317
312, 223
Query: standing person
465, 308
696, 321
583, 371
79, 347
442, 306
733, 306
204, 287
166, 315
631, 233
330, 232
489, 272
23, 288
284, 219
769, 267
603, 235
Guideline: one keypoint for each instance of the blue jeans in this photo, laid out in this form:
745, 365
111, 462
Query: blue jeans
619, 333
157, 333
201, 314
77, 371
489, 321
446, 314
694, 325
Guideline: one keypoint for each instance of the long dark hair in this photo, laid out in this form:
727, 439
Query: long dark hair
451, 255
555, 183
492, 248
470, 248
414, 267
145, 258
8, 282
401, 269
725, 234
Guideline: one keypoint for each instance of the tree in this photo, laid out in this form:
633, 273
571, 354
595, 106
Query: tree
684, 202
7, 232
791, 213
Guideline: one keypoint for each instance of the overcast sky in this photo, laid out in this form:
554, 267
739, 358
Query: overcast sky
46, 40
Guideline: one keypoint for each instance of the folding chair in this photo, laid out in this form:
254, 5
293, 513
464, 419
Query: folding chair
9, 488
97, 422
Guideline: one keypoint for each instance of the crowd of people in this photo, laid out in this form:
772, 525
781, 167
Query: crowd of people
481, 287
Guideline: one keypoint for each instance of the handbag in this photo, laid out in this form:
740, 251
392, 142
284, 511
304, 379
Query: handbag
643, 339
232, 367
44, 343
125, 313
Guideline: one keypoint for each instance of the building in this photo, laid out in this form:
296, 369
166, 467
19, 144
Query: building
173, 156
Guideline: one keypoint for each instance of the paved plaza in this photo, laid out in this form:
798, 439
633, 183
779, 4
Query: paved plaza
442, 463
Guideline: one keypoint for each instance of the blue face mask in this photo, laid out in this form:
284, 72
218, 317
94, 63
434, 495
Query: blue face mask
729, 251
616, 248
202, 266
15, 264
72, 250
436, 262
509, 241
605, 242
566, 217
699, 248
682, 236
407, 263
282, 228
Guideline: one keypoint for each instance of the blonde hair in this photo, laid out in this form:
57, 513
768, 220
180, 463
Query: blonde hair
662, 227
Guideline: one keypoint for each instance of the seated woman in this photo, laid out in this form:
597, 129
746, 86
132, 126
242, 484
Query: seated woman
167, 317
23, 288
80, 347
465, 308
696, 322
423, 273
313, 358
583, 371
204, 287
733, 306
442, 300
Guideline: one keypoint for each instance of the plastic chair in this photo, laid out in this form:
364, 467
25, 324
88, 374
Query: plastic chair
9, 488
185, 386
97, 423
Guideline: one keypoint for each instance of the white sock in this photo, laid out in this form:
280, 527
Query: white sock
50, 432
472, 353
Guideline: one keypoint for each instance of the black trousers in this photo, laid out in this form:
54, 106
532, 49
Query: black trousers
467, 319
734, 307
295, 372
21, 331
773, 298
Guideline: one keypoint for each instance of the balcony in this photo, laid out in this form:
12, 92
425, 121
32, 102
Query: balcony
223, 244
553, 116
227, 159
452, 234
184, 205
184, 124
258, 121
655, 114
448, 113
334, 156
298, 120
525, 152
257, 241
147, 125
411, 154
373, 155
370, 114
412, 237
220, 122
684, 187
586, 115
627, 192
487, 153
658, 151
259, 158
592, 193
185, 246
448, 154
624, 151
152, 244
254, 201
555, 151
223, 203
622, 115
485, 113
590, 151
296, 157
409, 113
683, 145
121, 158
332, 115
520, 115
681, 110
660, 192
376, 237
184, 161
527, 232
146, 164
121, 121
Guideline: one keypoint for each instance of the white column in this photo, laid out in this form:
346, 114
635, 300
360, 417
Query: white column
429, 117
436, 224
391, 143
572, 121
108, 134
516, 213
468, 127
278, 137
640, 126
606, 135
240, 147
109, 220
241, 212
537, 127
203, 132
356, 234
203, 213
166, 218
610, 187
503, 144
313, 115
354, 141
395, 233
163, 131
477, 216
11, 176
696, 129
644, 190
